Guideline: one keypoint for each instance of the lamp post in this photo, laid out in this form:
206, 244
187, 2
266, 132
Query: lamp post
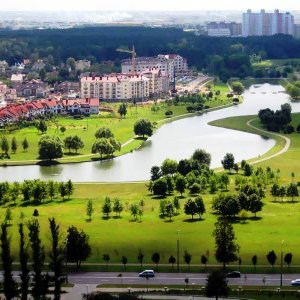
66, 259
281, 262
178, 250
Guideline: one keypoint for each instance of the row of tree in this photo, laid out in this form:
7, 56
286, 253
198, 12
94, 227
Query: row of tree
280, 191
36, 190
5, 146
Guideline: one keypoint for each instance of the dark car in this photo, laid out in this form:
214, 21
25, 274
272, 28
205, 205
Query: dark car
234, 274
147, 273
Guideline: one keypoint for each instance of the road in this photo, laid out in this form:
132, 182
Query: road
175, 279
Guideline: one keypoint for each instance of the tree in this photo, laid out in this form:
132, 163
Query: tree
200, 206
68, 142
69, 188
106, 207
124, 261
78, 248
226, 247
254, 261
156, 258
50, 147
204, 260
282, 192
275, 190
41, 281
14, 145
176, 204
271, 257
134, 210
187, 258
203, 157
160, 187
237, 87
216, 285
62, 129
9, 284
143, 127
52, 189
180, 184
89, 209
169, 210
122, 110
106, 147
62, 188
255, 204
25, 144
169, 167
228, 161
4, 145
103, 132
172, 260
226, 205
42, 126
190, 208
155, 173
140, 257
224, 179
23, 253
118, 206
56, 256
288, 259
292, 191
106, 258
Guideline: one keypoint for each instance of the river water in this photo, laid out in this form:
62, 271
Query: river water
176, 140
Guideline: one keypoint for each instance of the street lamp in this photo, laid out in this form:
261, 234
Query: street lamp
178, 250
66, 259
281, 262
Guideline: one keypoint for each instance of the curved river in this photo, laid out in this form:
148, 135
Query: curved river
176, 140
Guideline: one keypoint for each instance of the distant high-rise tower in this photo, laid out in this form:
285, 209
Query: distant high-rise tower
262, 23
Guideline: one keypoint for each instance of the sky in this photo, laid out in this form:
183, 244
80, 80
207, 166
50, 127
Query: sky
152, 5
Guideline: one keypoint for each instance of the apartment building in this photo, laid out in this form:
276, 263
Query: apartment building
166, 63
116, 87
266, 24
150, 83
227, 29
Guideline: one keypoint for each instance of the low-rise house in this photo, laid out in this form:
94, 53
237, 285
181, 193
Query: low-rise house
17, 78
82, 65
34, 88
32, 109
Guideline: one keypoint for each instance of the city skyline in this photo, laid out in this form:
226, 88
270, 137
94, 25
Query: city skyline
155, 5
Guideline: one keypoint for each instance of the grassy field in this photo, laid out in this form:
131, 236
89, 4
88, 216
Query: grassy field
86, 128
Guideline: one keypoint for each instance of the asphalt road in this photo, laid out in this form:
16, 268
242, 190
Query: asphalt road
167, 279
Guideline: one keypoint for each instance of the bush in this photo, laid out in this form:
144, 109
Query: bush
35, 213
289, 129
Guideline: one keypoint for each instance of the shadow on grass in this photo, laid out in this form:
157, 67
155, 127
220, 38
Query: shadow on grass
140, 138
255, 218
117, 217
88, 220
105, 218
169, 221
34, 203
286, 202
70, 154
193, 220
135, 221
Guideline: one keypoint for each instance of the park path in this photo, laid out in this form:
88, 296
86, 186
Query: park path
280, 152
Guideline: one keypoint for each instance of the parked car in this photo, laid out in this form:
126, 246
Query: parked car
234, 274
147, 273
295, 282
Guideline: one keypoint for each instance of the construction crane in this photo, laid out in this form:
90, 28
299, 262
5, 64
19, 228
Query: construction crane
133, 60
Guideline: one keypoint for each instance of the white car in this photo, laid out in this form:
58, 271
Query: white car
295, 282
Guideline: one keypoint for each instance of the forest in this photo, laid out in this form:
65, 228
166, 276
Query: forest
225, 57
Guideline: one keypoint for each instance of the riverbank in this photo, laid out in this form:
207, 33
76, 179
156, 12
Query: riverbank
284, 155
122, 128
